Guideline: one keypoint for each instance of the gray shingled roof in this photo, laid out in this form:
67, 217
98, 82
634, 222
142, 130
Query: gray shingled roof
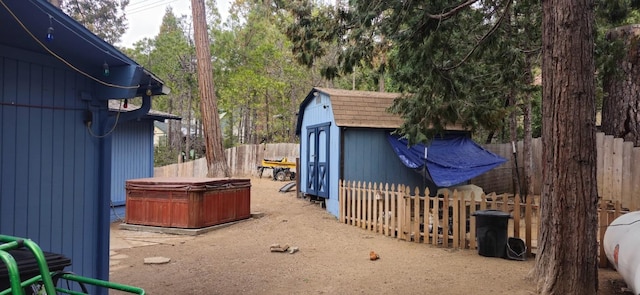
362, 108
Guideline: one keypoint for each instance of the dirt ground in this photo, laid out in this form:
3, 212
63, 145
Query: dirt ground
333, 258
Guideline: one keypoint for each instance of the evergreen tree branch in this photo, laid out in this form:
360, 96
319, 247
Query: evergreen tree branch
451, 12
485, 37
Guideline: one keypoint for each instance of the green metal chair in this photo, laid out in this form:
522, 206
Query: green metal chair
44, 281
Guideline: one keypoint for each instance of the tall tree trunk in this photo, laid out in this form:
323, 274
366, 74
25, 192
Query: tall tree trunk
214, 150
527, 158
268, 136
621, 107
188, 142
246, 131
513, 137
255, 127
566, 261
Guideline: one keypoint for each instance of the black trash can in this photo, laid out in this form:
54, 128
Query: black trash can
28, 266
491, 232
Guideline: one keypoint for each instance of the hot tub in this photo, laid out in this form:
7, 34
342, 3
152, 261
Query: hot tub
183, 202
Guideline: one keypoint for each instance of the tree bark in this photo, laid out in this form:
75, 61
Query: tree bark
621, 107
526, 147
527, 160
214, 150
513, 138
566, 261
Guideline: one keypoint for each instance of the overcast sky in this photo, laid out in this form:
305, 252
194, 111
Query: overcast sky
145, 17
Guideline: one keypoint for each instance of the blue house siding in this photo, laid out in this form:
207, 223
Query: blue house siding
132, 148
55, 177
369, 157
49, 176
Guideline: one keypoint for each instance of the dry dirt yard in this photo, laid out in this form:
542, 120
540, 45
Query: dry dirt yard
333, 258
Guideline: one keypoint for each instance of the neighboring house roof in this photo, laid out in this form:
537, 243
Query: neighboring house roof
161, 125
116, 105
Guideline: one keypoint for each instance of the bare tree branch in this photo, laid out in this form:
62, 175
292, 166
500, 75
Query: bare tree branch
451, 12
493, 29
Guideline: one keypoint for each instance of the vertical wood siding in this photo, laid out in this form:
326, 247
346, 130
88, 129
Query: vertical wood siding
49, 163
132, 156
369, 157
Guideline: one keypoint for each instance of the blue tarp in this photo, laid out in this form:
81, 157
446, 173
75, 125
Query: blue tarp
451, 159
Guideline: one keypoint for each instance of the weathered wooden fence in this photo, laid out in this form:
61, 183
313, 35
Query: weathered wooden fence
242, 160
399, 212
618, 167
618, 170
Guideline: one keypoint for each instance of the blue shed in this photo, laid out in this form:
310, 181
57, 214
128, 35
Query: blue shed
132, 150
345, 135
55, 147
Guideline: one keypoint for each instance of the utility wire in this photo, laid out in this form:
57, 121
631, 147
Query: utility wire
154, 5
139, 3
61, 58
79, 36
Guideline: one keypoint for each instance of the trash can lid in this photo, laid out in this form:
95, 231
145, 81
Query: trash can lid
492, 213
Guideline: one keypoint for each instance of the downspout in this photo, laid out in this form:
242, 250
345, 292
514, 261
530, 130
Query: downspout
104, 221
104, 197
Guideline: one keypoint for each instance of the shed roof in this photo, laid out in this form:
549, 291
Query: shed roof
353, 108
363, 108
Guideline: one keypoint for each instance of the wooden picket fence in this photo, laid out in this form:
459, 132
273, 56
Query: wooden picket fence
399, 212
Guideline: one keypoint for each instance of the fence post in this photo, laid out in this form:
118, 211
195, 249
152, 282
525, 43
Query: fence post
357, 196
376, 197
341, 197
604, 222
456, 220
472, 221
436, 220
407, 214
416, 215
494, 201
426, 220
463, 220
369, 224
445, 219
393, 203
401, 212
354, 193
387, 210
347, 201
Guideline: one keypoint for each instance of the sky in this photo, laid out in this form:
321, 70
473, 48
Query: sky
145, 17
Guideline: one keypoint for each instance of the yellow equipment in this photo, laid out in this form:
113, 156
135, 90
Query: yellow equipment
282, 169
